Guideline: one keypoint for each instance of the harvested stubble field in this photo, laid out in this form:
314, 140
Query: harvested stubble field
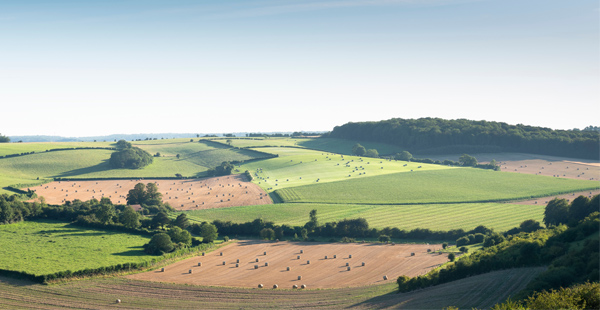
481, 291
188, 194
316, 270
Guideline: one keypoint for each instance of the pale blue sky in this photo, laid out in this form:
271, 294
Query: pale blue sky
81, 68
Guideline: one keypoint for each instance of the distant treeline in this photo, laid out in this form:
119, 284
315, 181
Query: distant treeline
4, 139
440, 136
60, 149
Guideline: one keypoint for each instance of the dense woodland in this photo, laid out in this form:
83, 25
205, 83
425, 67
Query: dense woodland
440, 136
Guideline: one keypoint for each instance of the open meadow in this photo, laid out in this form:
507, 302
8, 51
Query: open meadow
498, 216
435, 186
46, 247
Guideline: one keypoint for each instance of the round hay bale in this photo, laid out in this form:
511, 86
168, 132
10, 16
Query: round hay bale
348, 268
303, 286
334, 256
260, 286
288, 268
301, 251
199, 264
350, 256
298, 256
347, 264
255, 266
257, 260
266, 264
237, 261
363, 263
223, 262
412, 254
385, 277
299, 277
221, 253
275, 286
325, 256
237, 265
203, 253
295, 286
190, 271
265, 253
118, 301
162, 269
308, 262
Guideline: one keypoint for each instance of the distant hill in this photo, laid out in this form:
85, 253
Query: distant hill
440, 136
141, 136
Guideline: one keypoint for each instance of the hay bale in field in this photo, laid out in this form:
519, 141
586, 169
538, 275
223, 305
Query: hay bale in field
287, 268
385, 277
203, 253
255, 266
301, 251
221, 253
349, 268
118, 301
190, 271
295, 286
298, 257
350, 256
347, 264
275, 286
199, 264
260, 286
257, 260
162, 269
299, 277
308, 262
428, 250
325, 256
412, 254
303, 286
264, 253
223, 262
237, 260
363, 264
237, 265
334, 256
266, 264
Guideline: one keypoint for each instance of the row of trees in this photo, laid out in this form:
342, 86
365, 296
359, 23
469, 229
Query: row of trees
360, 150
560, 211
12, 209
128, 156
224, 168
435, 135
552, 246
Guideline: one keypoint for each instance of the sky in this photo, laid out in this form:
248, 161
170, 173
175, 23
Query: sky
88, 68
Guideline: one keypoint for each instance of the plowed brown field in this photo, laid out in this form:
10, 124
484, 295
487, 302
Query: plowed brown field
188, 194
379, 260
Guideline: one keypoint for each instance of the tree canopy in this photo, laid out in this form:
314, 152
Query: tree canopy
130, 157
224, 169
144, 194
440, 136
4, 139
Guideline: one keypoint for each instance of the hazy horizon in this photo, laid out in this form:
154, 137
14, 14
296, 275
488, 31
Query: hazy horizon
96, 68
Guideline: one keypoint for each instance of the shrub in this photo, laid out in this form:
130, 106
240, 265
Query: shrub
159, 244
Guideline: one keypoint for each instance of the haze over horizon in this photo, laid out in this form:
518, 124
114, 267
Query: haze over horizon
94, 68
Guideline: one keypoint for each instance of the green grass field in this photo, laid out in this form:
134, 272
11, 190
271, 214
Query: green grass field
343, 146
499, 216
435, 186
297, 167
47, 247
18, 148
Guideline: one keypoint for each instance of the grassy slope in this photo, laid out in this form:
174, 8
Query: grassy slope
436, 186
18, 148
304, 167
481, 291
196, 158
498, 216
343, 146
48, 247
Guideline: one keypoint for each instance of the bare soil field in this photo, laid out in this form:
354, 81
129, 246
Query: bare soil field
316, 265
188, 194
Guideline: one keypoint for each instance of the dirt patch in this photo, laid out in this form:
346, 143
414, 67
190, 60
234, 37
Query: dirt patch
379, 260
189, 194
569, 197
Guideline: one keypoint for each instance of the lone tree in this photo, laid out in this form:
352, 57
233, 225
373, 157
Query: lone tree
372, 153
313, 222
267, 234
404, 155
557, 212
224, 169
451, 257
359, 150
129, 218
182, 221
467, 160
159, 244
208, 232
128, 156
